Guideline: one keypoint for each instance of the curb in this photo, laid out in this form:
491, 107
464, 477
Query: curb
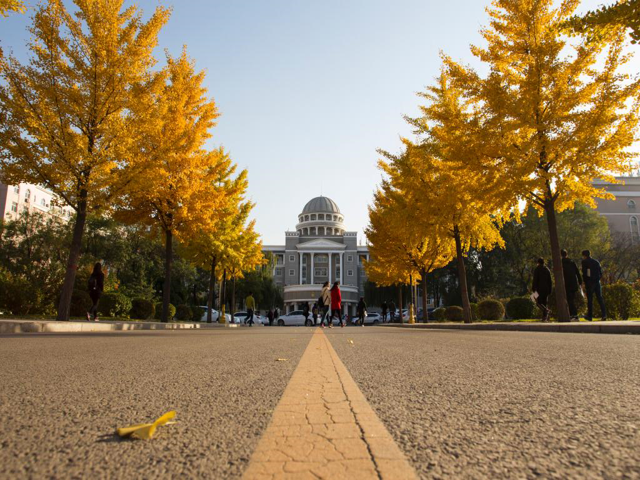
31, 326
625, 327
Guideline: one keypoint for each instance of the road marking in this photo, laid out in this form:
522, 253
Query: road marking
323, 427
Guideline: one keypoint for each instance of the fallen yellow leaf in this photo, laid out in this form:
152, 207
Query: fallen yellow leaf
144, 431
281, 359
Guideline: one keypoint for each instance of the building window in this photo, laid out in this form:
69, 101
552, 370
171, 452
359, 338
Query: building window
292, 272
349, 258
320, 230
301, 218
304, 259
320, 272
321, 258
306, 218
337, 272
633, 224
631, 205
14, 207
338, 260
335, 218
27, 195
313, 230
16, 189
349, 273
321, 216
313, 216
279, 259
292, 258
43, 202
278, 272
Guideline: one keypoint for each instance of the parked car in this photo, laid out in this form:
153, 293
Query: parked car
371, 319
241, 317
294, 318
215, 314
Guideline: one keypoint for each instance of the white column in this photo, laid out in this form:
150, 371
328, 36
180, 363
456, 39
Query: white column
312, 266
330, 272
341, 267
300, 279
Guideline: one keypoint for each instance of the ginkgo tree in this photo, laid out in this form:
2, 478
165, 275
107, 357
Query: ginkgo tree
8, 6
65, 116
176, 189
596, 23
557, 113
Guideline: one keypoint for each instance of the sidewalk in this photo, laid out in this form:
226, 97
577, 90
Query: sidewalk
629, 326
79, 326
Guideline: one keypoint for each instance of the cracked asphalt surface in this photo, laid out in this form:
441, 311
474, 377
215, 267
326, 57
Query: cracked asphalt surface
459, 404
503, 404
62, 397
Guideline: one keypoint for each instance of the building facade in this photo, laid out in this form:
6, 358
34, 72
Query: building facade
622, 213
16, 200
320, 250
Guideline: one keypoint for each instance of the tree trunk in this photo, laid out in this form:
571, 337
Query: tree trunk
462, 278
400, 303
166, 291
232, 310
425, 303
223, 292
64, 307
212, 289
562, 308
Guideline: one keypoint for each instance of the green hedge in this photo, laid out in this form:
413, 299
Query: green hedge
184, 313
80, 303
438, 314
454, 313
172, 311
197, 313
474, 312
620, 299
520, 308
114, 304
142, 309
490, 309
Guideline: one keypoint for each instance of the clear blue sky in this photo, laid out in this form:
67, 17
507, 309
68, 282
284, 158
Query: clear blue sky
309, 89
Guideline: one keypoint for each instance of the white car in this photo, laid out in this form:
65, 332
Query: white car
241, 318
215, 314
371, 319
294, 318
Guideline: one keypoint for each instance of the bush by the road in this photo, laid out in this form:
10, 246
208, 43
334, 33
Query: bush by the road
197, 313
80, 303
454, 313
172, 311
142, 309
438, 314
474, 311
184, 313
114, 304
520, 308
490, 309
620, 299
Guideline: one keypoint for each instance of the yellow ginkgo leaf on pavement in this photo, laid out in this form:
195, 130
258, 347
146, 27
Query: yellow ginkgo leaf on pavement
281, 359
144, 431
350, 342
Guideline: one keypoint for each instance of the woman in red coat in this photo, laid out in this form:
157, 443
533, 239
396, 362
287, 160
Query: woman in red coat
336, 303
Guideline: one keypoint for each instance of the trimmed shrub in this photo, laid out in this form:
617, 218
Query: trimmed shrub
81, 303
172, 311
454, 313
142, 309
114, 304
438, 314
474, 311
581, 304
197, 313
621, 301
184, 313
519, 308
490, 309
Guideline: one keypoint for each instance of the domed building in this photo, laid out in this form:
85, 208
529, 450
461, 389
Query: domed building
319, 250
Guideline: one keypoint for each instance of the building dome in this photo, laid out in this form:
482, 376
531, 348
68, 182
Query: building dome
321, 205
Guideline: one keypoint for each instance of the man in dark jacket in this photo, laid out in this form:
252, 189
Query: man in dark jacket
542, 287
572, 282
592, 273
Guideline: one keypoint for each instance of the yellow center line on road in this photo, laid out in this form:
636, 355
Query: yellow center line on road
323, 427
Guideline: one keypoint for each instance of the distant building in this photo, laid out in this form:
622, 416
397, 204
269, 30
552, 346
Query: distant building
623, 213
319, 250
15, 200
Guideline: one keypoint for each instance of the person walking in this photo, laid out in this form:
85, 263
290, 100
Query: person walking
251, 306
96, 287
325, 303
314, 313
592, 273
305, 312
542, 288
362, 311
384, 311
336, 303
572, 282
392, 311
276, 315
270, 316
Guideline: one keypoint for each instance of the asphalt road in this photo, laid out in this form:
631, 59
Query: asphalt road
503, 404
62, 397
459, 404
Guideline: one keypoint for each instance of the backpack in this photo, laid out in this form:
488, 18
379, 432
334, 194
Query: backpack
93, 282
